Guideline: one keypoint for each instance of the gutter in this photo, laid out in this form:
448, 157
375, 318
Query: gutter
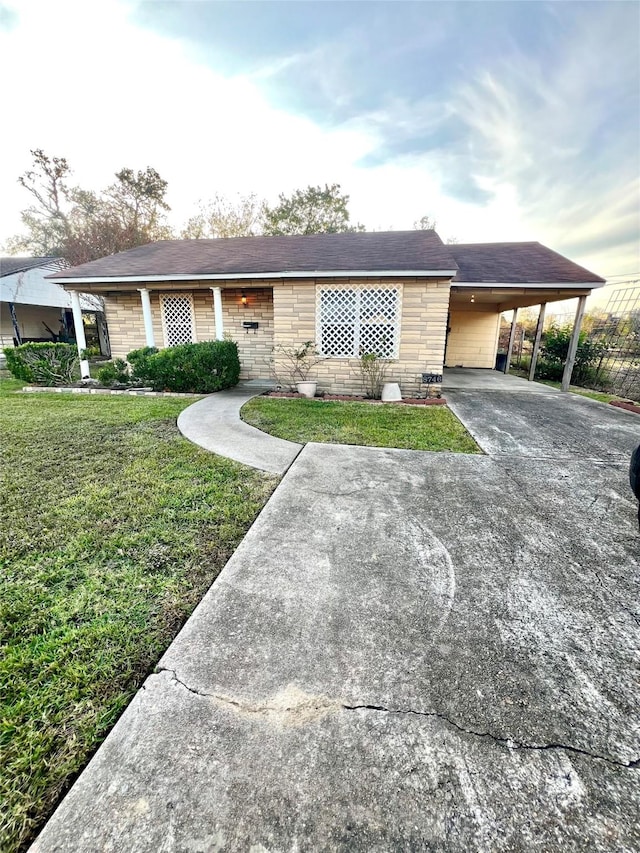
132, 279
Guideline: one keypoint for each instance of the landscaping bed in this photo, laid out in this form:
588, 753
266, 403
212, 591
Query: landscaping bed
354, 398
113, 528
627, 406
385, 425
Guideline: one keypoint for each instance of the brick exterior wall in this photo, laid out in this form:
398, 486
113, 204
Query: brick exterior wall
286, 314
126, 325
422, 332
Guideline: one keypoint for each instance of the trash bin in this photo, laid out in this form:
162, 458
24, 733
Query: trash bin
501, 362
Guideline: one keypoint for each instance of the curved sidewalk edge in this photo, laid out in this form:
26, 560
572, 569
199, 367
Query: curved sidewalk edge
214, 424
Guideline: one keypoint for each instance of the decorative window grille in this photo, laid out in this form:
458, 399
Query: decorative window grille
177, 319
358, 320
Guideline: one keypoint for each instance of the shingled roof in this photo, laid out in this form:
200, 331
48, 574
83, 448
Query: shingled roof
516, 263
418, 252
401, 251
12, 265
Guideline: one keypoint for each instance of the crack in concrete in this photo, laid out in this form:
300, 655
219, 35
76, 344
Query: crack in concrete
298, 707
508, 742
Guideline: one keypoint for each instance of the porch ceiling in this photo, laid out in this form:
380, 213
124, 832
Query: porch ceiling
507, 298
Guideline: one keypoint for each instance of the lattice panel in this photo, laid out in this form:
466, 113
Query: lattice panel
355, 321
177, 319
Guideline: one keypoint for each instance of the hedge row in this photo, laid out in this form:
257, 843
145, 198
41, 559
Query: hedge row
43, 364
189, 368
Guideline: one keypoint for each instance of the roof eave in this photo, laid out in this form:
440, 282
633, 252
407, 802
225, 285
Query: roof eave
132, 279
555, 285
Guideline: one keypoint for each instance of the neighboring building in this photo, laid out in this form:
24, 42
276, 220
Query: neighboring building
34, 308
402, 294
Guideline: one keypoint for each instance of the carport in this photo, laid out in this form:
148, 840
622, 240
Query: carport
497, 277
481, 379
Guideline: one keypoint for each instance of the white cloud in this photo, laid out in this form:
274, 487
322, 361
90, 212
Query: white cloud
88, 84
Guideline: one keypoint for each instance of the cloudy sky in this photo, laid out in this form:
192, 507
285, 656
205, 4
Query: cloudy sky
503, 121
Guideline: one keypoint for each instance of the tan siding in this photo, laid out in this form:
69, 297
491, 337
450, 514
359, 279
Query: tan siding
286, 315
254, 347
423, 326
126, 325
473, 337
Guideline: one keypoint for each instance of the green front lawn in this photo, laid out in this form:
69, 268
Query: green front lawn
372, 425
113, 527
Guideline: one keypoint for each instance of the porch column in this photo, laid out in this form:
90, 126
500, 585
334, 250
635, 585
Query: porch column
573, 344
536, 343
217, 311
146, 313
81, 341
512, 336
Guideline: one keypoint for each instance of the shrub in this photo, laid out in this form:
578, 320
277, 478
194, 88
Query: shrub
115, 372
138, 359
546, 369
372, 374
43, 364
291, 365
91, 352
188, 368
555, 348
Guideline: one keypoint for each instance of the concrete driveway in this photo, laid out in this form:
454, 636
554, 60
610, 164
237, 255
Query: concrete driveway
408, 652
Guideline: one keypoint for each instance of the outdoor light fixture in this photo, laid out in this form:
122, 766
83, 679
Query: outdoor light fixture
473, 297
243, 299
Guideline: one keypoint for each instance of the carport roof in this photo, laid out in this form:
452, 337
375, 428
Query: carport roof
516, 263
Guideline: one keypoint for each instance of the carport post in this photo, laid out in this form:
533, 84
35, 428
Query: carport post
536, 343
573, 344
217, 311
81, 341
512, 337
146, 314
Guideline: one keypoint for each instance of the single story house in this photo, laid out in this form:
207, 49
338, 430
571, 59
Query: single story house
34, 308
402, 294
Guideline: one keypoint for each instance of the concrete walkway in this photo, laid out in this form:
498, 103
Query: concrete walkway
214, 423
408, 652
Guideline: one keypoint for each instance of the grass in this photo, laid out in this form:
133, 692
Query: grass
574, 389
113, 528
379, 425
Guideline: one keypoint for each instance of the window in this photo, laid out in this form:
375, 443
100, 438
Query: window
358, 320
177, 319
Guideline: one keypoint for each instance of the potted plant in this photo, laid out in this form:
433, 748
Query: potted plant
297, 363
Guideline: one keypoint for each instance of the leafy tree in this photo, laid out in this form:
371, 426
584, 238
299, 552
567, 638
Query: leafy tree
222, 217
314, 210
137, 199
425, 223
81, 225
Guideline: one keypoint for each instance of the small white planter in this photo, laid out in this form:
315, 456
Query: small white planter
307, 388
391, 392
